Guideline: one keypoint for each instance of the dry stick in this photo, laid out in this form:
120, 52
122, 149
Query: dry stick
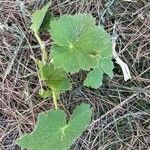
10, 65
113, 110
105, 11
124, 66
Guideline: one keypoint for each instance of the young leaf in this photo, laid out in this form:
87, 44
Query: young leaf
94, 78
78, 42
38, 17
54, 133
55, 79
45, 93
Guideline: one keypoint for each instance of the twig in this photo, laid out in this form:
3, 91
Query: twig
9, 67
113, 110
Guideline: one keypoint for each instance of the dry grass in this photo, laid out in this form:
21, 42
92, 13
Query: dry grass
121, 120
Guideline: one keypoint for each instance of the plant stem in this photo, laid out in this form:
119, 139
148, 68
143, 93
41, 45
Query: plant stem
55, 100
42, 45
44, 59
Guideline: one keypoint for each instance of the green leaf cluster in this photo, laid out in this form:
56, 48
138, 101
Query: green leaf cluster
78, 44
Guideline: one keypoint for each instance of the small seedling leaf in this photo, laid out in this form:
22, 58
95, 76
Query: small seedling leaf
94, 78
54, 133
38, 17
55, 79
45, 93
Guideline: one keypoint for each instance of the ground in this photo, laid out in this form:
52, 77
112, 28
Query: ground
121, 117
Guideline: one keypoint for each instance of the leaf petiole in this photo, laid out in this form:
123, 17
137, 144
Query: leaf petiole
54, 95
42, 46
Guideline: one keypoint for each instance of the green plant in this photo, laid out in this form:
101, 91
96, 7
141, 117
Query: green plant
78, 44
54, 133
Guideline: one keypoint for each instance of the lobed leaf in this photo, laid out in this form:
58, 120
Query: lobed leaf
78, 43
54, 133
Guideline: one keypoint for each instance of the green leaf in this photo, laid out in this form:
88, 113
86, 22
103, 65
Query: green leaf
78, 43
45, 93
107, 66
55, 79
94, 78
72, 61
54, 133
38, 17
